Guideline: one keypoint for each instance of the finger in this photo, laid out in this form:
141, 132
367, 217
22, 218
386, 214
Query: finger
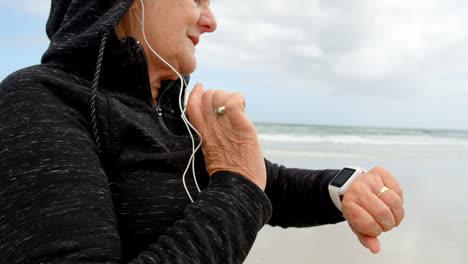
389, 180
363, 194
211, 100
194, 106
235, 107
380, 211
208, 110
359, 235
368, 200
361, 219
370, 185
219, 99
395, 204
241, 98
221, 122
372, 243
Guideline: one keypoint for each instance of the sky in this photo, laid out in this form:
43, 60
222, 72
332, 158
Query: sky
379, 63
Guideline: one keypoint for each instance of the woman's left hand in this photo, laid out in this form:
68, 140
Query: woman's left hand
369, 215
230, 140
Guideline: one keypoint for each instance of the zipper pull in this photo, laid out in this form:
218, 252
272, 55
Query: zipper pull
159, 110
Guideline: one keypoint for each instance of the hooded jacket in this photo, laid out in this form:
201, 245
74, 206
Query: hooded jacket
90, 168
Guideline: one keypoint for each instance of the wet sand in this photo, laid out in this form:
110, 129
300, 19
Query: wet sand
435, 229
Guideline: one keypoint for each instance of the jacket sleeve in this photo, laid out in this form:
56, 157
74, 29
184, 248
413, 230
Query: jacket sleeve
56, 206
300, 197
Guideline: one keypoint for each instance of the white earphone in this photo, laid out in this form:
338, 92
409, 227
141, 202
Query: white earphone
182, 110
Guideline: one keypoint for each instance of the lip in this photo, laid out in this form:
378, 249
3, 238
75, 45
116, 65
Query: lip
195, 40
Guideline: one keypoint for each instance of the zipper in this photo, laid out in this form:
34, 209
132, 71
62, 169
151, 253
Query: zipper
159, 110
156, 108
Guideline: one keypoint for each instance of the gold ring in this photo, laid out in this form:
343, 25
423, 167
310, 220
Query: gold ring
384, 189
220, 110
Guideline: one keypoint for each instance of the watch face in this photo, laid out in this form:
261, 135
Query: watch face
342, 177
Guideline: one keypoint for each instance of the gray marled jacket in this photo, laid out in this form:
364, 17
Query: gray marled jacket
94, 175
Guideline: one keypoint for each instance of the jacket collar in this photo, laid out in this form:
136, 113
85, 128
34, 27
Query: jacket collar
125, 71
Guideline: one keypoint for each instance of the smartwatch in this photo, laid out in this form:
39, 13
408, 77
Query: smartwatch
341, 182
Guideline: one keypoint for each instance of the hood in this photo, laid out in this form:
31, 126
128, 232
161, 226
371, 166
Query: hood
75, 30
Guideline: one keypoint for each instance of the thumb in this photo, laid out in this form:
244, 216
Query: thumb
194, 106
372, 243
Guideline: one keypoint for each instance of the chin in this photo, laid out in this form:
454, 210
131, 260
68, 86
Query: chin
188, 66
187, 71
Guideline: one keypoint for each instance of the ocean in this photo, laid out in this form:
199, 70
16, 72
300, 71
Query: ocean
430, 165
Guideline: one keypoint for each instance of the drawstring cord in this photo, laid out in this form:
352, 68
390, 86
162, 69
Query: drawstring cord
94, 92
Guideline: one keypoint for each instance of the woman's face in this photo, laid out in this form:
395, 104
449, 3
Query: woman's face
173, 29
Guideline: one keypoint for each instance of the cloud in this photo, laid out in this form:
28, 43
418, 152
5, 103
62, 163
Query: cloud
395, 48
39, 8
26, 33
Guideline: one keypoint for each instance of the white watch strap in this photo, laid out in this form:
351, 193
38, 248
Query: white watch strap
335, 196
335, 192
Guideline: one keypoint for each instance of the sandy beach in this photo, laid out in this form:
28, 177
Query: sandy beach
434, 230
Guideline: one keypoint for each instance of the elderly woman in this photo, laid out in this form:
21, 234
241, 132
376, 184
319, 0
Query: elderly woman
94, 151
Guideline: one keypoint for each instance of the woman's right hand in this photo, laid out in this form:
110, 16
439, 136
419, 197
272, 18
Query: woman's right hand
230, 140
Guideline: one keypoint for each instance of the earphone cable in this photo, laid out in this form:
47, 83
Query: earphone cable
183, 110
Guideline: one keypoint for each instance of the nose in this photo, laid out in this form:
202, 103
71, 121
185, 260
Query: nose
207, 21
